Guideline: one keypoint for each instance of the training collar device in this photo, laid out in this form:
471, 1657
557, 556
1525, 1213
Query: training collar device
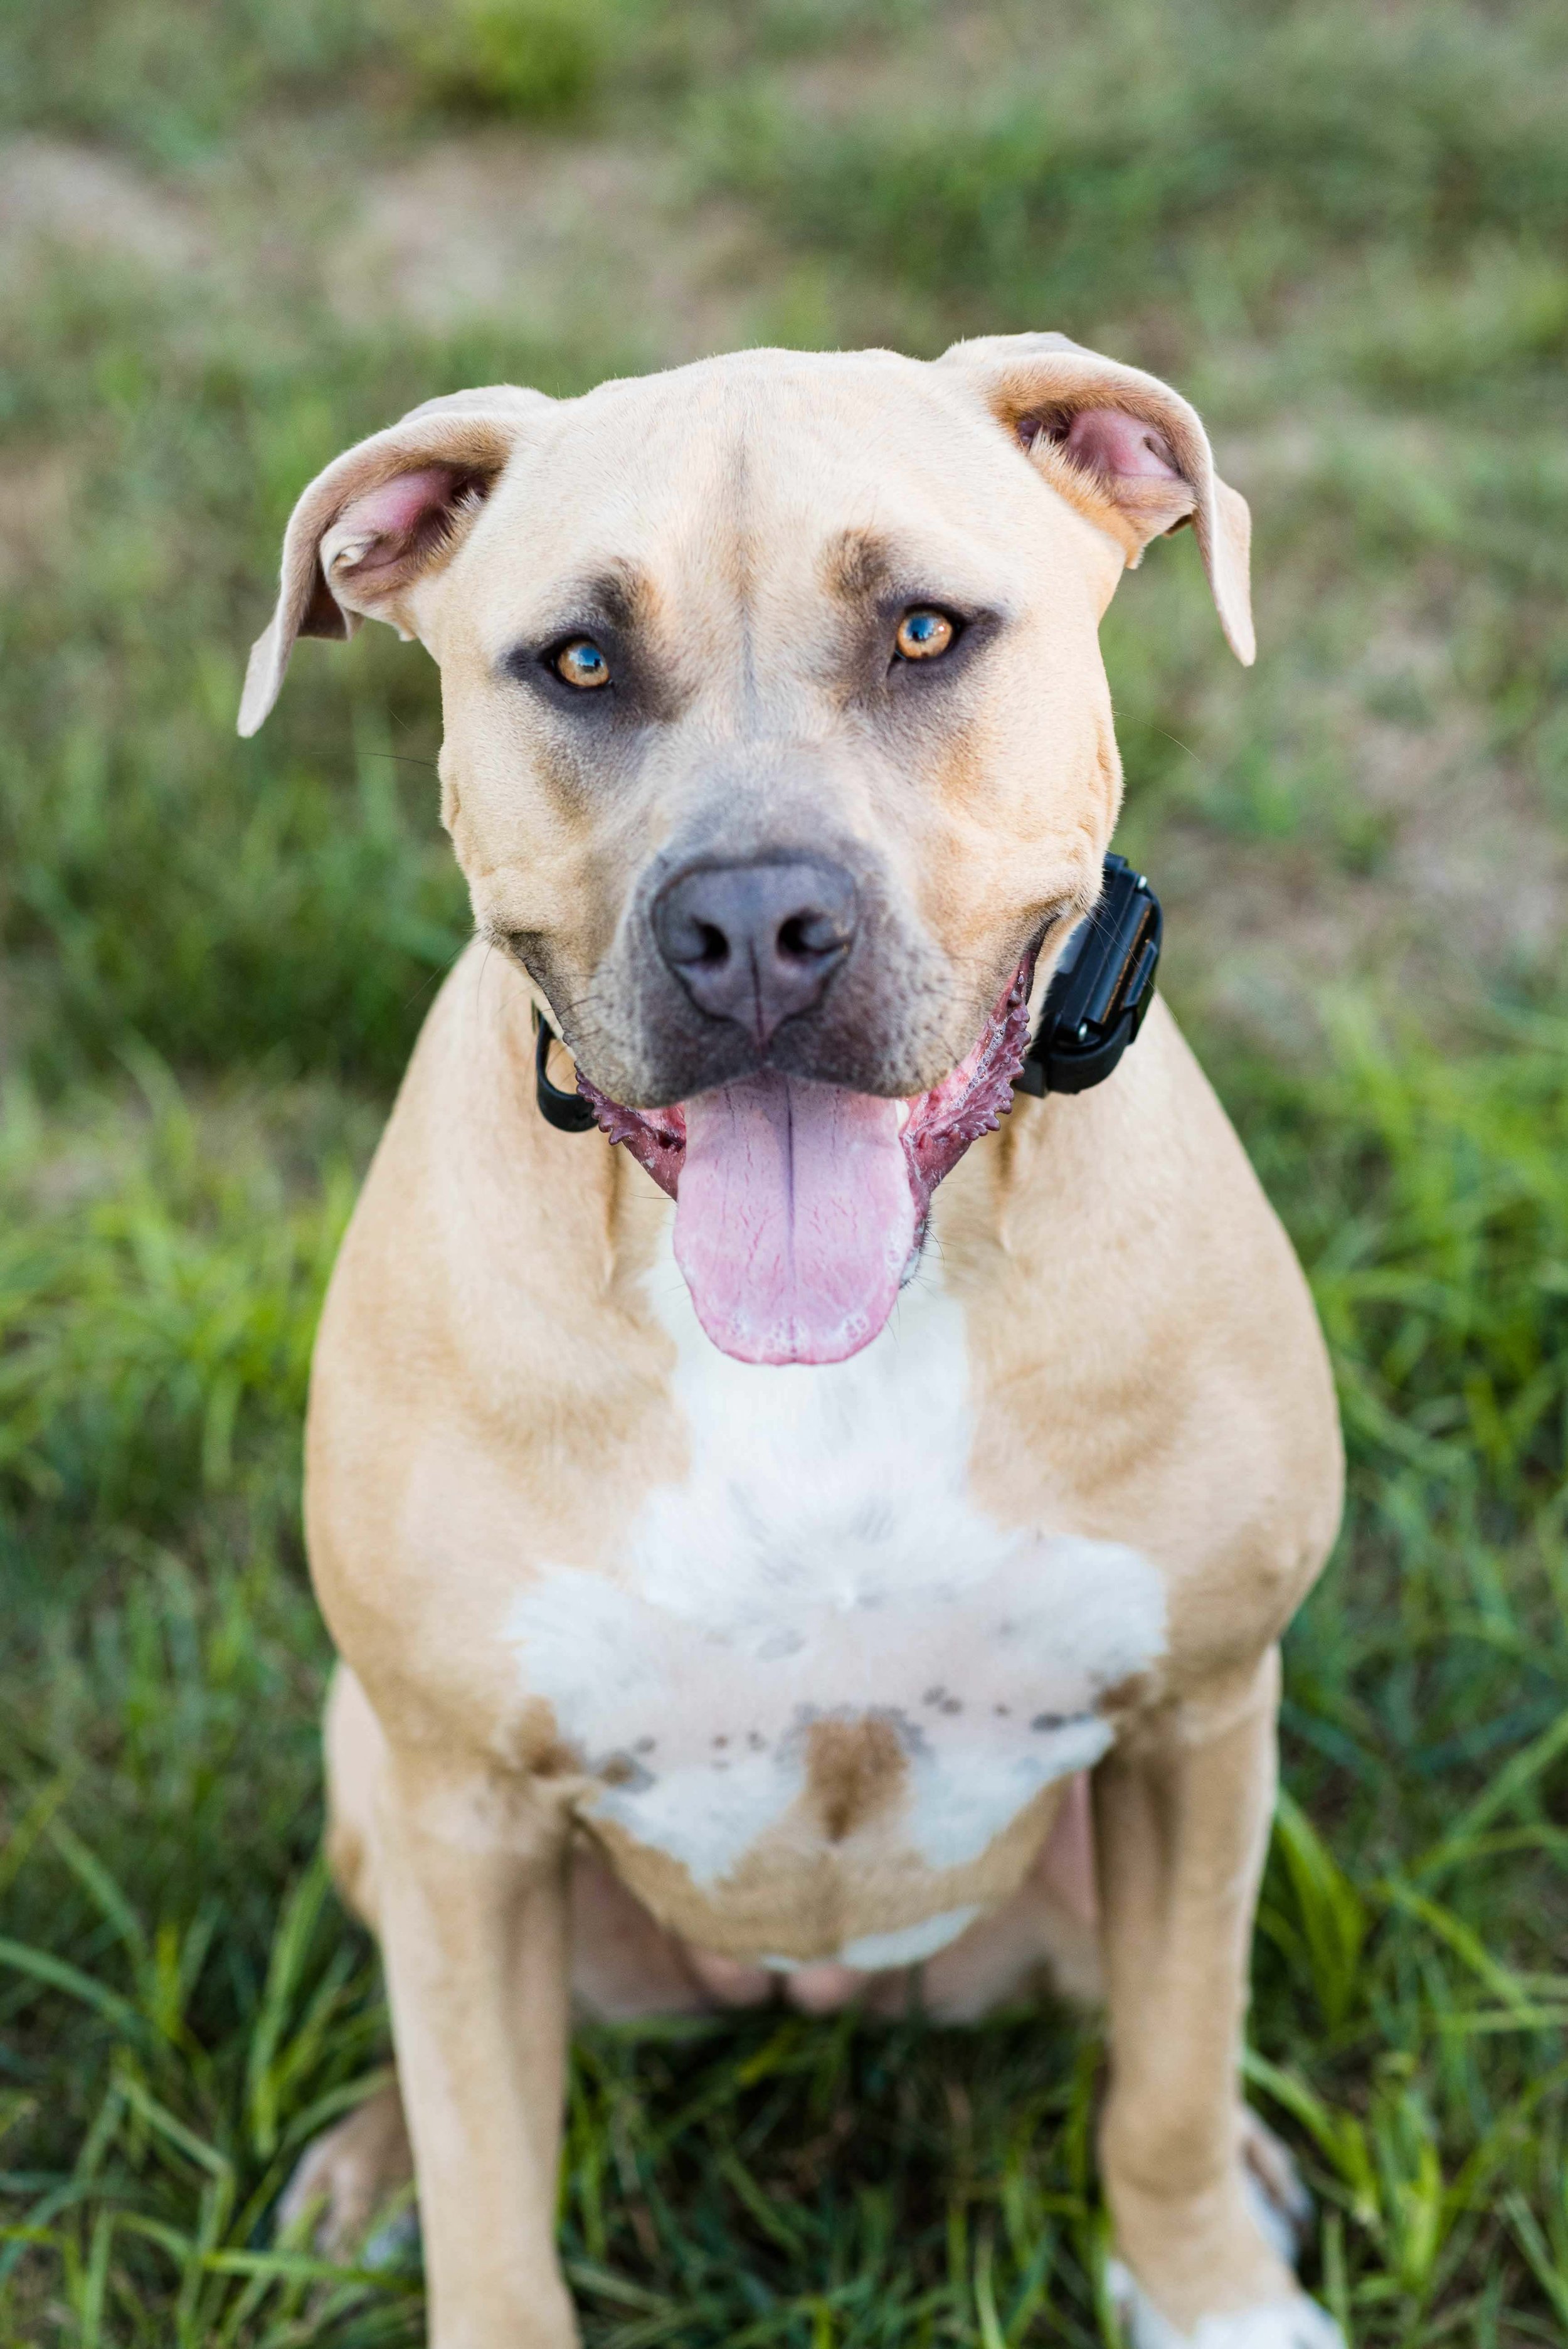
1094, 1007
1099, 990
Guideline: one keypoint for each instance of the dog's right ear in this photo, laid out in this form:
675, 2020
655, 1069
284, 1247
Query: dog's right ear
383, 515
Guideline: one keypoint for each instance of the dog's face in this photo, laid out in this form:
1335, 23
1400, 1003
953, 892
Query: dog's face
777, 740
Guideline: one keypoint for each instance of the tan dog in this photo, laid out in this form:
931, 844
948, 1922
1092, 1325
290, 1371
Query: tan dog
733, 1594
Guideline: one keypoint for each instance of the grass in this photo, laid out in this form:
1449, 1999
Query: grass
1342, 232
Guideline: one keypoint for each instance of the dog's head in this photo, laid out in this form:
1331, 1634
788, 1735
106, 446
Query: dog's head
777, 747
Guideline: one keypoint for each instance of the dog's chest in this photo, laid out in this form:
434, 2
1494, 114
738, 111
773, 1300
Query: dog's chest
815, 1631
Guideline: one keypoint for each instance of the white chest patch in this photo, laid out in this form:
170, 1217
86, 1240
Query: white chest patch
822, 1560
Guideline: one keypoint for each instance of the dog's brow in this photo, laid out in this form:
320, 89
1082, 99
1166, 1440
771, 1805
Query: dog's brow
861, 565
624, 595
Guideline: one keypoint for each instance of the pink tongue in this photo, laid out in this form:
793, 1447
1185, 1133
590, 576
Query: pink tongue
794, 1219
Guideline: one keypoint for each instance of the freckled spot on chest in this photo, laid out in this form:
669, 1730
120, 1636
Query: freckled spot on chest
853, 1770
818, 1626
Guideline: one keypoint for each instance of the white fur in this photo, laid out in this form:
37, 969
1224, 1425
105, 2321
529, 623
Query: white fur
1294, 2324
871, 1953
821, 1559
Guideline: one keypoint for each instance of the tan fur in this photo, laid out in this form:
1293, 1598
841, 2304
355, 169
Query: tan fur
493, 1390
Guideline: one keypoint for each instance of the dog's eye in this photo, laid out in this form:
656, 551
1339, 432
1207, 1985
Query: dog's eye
581, 663
924, 633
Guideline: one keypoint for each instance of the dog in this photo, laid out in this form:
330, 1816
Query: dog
824, 1533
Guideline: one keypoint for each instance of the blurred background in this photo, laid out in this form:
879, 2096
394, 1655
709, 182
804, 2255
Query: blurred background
233, 238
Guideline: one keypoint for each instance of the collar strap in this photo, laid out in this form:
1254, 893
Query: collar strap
1094, 1007
568, 1112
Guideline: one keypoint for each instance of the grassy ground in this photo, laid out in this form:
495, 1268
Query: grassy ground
236, 238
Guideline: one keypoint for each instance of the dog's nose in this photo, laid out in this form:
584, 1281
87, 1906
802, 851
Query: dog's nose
756, 943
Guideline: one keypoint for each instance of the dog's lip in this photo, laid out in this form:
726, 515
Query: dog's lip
936, 1126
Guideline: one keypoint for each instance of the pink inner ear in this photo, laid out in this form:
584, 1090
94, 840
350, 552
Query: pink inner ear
400, 508
1109, 440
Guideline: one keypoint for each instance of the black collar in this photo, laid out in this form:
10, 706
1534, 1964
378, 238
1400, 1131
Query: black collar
1095, 1005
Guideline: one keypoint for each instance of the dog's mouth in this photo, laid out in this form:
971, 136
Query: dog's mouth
800, 1207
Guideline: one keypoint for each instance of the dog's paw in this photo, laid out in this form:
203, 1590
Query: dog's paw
1295, 2323
1279, 2202
345, 2179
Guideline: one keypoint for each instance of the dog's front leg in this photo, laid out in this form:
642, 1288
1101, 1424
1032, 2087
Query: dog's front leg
1181, 1819
472, 1877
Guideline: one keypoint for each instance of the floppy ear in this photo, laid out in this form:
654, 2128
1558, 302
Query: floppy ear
1128, 451
381, 515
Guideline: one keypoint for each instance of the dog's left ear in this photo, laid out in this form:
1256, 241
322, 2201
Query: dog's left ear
1127, 450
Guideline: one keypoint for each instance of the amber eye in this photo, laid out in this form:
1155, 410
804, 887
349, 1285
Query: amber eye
922, 634
581, 663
